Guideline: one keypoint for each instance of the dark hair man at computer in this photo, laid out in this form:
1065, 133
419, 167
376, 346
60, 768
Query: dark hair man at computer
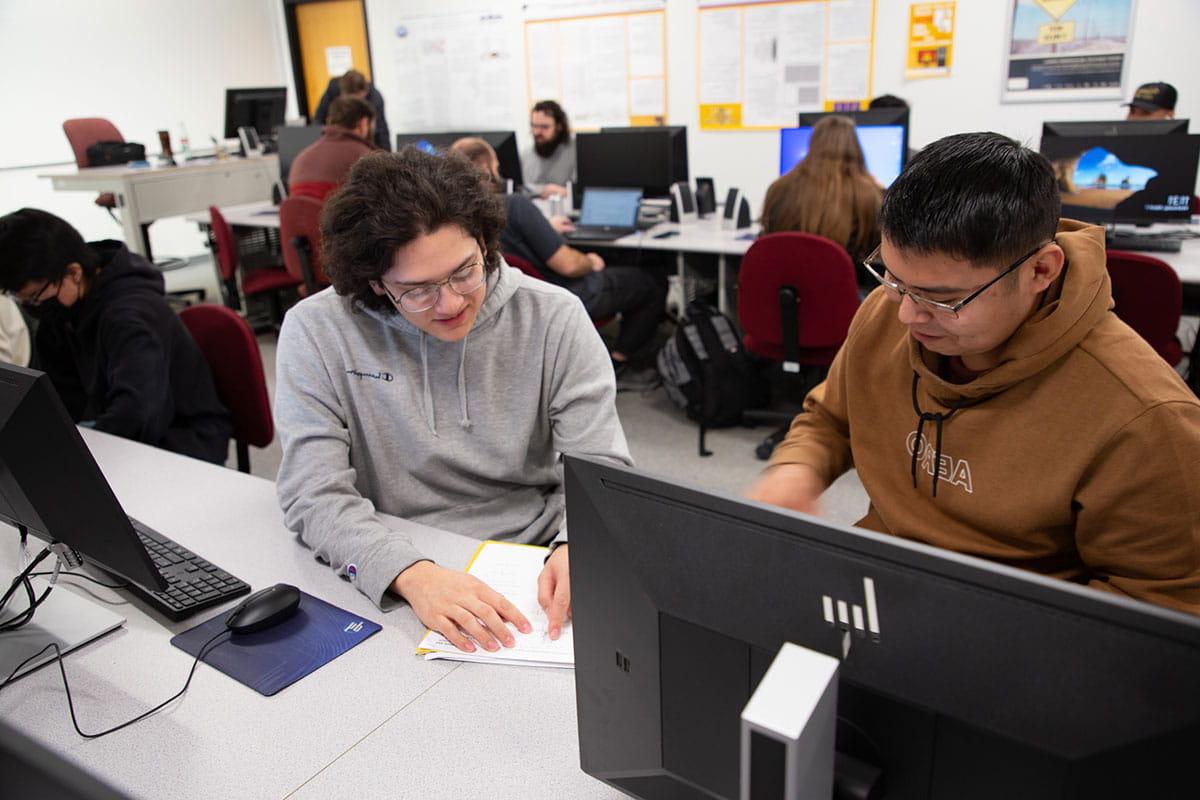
991, 400
550, 163
436, 384
355, 84
115, 351
319, 168
1153, 101
637, 295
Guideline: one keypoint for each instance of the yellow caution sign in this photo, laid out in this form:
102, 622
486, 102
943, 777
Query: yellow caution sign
1056, 33
1055, 8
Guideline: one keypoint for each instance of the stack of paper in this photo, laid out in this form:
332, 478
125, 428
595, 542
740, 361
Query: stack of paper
512, 570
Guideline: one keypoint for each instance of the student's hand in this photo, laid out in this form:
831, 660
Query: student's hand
597, 261
554, 590
561, 224
458, 606
553, 189
794, 486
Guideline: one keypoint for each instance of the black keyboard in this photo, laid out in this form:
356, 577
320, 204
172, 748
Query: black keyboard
1150, 244
598, 233
195, 584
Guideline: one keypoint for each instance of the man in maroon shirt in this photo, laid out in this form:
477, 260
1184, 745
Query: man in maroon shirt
324, 164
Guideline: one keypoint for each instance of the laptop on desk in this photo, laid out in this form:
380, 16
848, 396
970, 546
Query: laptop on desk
607, 215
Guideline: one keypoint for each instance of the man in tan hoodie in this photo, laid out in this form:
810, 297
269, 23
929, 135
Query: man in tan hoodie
992, 402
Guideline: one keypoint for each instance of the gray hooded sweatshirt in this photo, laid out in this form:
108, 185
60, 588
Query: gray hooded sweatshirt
377, 417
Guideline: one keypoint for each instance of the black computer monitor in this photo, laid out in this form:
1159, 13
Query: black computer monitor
262, 109
1116, 127
32, 770
51, 485
1125, 179
646, 158
963, 678
290, 141
503, 142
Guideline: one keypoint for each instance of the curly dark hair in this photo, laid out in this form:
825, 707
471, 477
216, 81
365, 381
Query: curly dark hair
390, 199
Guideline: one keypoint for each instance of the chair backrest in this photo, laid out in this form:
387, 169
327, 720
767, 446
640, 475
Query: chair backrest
84, 132
524, 266
822, 274
232, 354
1149, 299
299, 217
225, 244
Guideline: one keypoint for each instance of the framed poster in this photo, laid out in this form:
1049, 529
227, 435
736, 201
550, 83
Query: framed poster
1067, 50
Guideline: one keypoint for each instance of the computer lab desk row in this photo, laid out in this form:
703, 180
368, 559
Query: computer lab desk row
696, 236
145, 194
376, 722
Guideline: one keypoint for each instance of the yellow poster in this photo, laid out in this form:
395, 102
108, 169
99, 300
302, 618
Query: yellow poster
930, 39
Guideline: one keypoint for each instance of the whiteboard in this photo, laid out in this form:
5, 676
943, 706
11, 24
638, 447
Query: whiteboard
144, 65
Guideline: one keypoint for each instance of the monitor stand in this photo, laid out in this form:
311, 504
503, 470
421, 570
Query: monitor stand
65, 618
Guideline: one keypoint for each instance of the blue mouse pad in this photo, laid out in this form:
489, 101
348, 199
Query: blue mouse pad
270, 660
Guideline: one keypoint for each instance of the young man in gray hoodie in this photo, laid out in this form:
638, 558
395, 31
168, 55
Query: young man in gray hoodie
434, 384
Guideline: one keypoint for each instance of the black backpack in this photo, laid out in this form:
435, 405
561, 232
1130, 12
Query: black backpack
706, 371
103, 154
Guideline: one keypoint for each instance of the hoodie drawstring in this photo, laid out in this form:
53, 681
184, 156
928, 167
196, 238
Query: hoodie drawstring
426, 391
922, 418
464, 418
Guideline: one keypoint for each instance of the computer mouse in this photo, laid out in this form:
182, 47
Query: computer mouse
264, 609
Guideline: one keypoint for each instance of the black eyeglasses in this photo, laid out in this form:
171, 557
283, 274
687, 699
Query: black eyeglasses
897, 290
39, 298
462, 281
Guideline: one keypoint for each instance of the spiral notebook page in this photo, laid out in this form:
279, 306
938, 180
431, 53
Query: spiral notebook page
512, 570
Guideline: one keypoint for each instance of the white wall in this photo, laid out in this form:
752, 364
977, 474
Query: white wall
143, 64
147, 64
1164, 34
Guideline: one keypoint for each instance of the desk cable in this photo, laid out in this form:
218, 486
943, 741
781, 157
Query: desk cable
71, 558
71, 703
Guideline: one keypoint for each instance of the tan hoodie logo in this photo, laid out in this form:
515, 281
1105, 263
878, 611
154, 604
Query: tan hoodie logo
955, 471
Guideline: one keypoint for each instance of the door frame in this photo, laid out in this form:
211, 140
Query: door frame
293, 33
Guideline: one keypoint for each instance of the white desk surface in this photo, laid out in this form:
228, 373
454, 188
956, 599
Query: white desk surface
378, 718
264, 214
100, 177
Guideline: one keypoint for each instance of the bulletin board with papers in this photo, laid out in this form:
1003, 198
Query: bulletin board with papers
762, 63
605, 63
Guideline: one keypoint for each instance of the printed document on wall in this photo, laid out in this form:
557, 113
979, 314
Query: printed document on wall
453, 72
762, 62
605, 62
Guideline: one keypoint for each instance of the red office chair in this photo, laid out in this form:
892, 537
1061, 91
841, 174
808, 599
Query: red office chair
524, 266
300, 232
269, 280
84, 132
1149, 299
796, 296
534, 272
232, 354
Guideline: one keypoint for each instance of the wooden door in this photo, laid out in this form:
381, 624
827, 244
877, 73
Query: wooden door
330, 33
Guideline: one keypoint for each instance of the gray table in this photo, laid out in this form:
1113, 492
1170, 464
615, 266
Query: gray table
376, 722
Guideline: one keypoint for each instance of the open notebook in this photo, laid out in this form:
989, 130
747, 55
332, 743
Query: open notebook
512, 570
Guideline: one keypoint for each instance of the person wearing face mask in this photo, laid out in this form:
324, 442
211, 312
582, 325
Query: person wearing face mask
434, 384
992, 402
118, 356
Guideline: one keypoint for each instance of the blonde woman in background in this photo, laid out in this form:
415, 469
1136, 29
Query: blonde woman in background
828, 193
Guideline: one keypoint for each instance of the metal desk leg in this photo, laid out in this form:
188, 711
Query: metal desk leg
722, 296
130, 218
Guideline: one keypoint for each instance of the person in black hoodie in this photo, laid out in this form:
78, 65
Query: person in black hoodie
117, 354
